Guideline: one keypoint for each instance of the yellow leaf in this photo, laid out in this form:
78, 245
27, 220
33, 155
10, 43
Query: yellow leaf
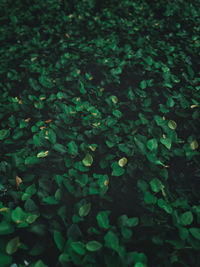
122, 162
194, 145
48, 121
4, 209
18, 181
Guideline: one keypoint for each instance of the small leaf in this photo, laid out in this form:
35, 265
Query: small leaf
152, 144
166, 142
122, 162
84, 210
156, 185
72, 148
18, 215
143, 84
117, 113
111, 240
170, 102
5, 260
93, 246
149, 198
164, 205
59, 239
60, 148
78, 247
6, 228
195, 232
117, 170
31, 160
50, 200
32, 218
103, 220
114, 99
42, 154
132, 222
194, 145
12, 245
18, 181
51, 135
88, 160
183, 233
172, 124
4, 134
39, 263
187, 218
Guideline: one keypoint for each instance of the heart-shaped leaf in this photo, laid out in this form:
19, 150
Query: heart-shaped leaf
88, 160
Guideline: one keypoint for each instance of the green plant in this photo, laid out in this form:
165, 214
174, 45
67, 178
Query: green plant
99, 133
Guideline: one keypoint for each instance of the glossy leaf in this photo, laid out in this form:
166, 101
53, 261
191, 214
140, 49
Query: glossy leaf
93, 246
12, 245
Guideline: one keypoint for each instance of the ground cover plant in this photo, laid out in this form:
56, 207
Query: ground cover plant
99, 133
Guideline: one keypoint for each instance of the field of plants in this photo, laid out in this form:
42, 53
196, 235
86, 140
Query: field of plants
99, 133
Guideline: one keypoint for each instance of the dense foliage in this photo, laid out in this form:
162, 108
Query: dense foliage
99, 133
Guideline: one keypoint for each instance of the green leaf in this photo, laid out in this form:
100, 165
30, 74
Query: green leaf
52, 136
156, 185
88, 160
117, 170
143, 84
142, 185
111, 240
149, 198
6, 228
149, 60
117, 113
93, 246
42, 154
166, 142
140, 264
31, 160
140, 145
124, 148
46, 81
164, 205
12, 245
18, 215
39, 264
4, 134
159, 120
72, 148
31, 189
64, 258
126, 232
110, 144
50, 200
170, 102
84, 210
122, 162
60, 148
114, 99
39, 105
132, 222
32, 218
59, 239
152, 144
78, 247
183, 233
187, 218
102, 219
195, 232
172, 124
5, 260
